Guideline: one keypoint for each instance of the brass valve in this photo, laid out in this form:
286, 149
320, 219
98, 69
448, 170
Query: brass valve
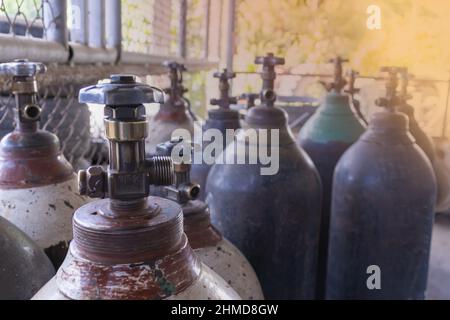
129, 173
182, 190
24, 88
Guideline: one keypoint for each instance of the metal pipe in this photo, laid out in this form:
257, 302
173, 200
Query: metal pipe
114, 25
96, 21
32, 48
55, 21
183, 29
79, 30
85, 54
323, 75
230, 33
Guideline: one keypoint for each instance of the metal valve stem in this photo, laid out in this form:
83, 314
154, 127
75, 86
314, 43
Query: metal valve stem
128, 177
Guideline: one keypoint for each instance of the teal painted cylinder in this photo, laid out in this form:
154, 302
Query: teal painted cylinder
333, 128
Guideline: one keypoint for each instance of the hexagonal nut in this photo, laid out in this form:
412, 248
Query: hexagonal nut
91, 182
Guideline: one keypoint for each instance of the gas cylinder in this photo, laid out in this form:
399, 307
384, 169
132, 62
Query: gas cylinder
382, 210
441, 166
174, 114
130, 245
421, 138
37, 184
208, 243
24, 267
425, 143
221, 119
272, 216
333, 128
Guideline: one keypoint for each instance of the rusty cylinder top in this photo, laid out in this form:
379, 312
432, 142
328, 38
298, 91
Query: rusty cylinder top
129, 232
128, 210
29, 157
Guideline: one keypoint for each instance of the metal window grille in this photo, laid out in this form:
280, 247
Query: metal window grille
85, 40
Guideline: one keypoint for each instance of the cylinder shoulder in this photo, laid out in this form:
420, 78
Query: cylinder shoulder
228, 262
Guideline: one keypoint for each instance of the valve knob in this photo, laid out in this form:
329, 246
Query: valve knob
270, 60
268, 95
352, 75
22, 68
338, 80
121, 90
224, 87
391, 100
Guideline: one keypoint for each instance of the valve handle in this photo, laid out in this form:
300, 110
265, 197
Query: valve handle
391, 100
352, 75
224, 87
176, 89
225, 75
121, 90
339, 81
22, 68
270, 60
268, 95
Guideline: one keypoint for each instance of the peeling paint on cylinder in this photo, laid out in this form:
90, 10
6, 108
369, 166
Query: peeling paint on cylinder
218, 253
44, 214
208, 286
225, 259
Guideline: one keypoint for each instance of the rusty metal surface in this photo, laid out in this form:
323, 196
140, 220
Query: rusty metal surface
147, 279
32, 160
29, 157
21, 255
128, 246
197, 225
138, 254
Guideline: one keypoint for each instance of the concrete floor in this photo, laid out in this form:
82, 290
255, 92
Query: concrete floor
439, 272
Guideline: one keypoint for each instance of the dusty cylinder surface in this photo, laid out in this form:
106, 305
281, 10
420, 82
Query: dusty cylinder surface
384, 194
